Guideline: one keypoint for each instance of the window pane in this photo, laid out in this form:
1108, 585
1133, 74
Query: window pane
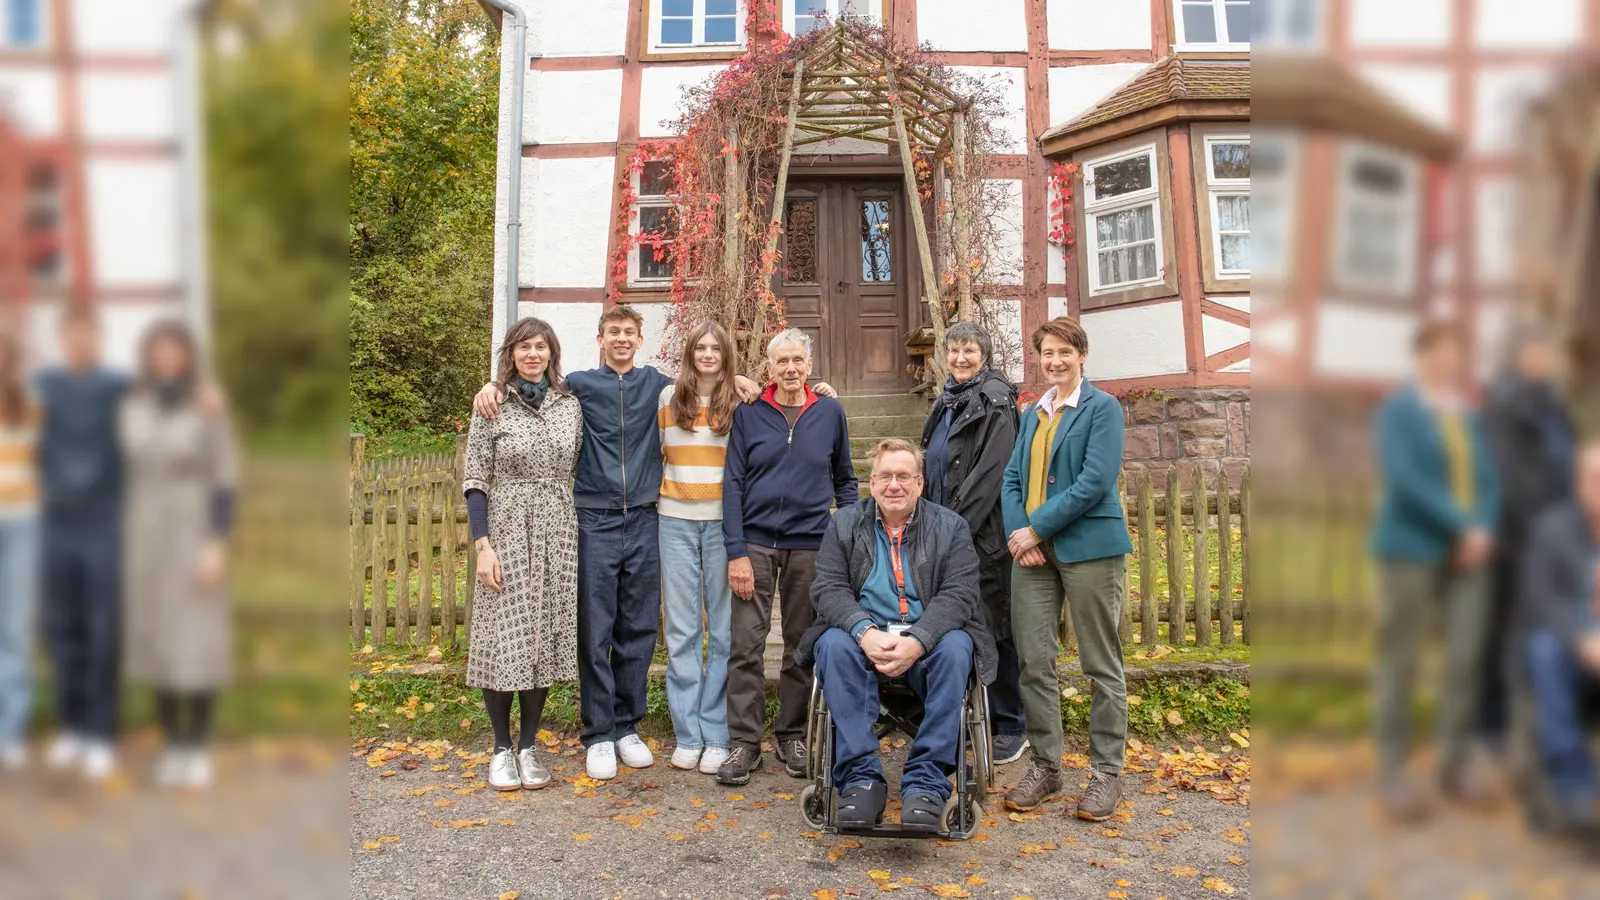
1373, 251
810, 7
677, 31
657, 219
1377, 176
805, 25
1238, 21
1230, 160
655, 179
1124, 176
684, 8
1126, 226
1127, 264
1233, 213
722, 30
22, 21
1235, 252
649, 266
722, 7
1199, 23
875, 241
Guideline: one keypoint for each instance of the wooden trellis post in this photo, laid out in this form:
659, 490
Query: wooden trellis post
779, 188
962, 254
732, 202
930, 275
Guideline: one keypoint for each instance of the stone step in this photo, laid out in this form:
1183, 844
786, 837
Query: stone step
861, 446
885, 405
904, 426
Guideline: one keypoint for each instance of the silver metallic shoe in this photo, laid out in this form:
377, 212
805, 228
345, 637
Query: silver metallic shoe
503, 775
534, 774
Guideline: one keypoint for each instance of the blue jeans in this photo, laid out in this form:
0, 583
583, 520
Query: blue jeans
1558, 682
694, 576
82, 614
850, 685
19, 584
619, 607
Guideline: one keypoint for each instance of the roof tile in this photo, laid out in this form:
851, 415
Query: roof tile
1168, 79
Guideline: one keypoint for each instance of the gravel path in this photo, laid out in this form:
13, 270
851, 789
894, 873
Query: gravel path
663, 833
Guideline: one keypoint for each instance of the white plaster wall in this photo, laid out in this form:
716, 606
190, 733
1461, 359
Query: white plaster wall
570, 220
123, 26
660, 90
129, 107
656, 349
1281, 335
1098, 24
572, 107
133, 222
1055, 307
1235, 301
32, 98
502, 199
1135, 341
963, 25
1513, 23
1007, 315
1074, 89
584, 28
575, 326
1493, 318
1005, 230
1012, 85
1501, 96
124, 325
1220, 335
1497, 200
1425, 90
1055, 263
1362, 341
1413, 23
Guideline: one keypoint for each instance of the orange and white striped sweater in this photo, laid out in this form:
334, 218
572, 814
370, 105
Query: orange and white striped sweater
19, 483
692, 463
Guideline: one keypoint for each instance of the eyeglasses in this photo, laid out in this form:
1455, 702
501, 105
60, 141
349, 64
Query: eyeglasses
896, 479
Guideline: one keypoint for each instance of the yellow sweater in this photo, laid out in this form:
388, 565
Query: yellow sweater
1039, 459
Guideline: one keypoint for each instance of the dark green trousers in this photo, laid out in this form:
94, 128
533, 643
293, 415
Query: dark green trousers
1092, 593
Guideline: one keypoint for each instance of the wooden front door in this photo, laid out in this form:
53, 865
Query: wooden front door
844, 278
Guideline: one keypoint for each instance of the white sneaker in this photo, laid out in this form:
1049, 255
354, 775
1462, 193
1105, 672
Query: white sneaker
13, 757
65, 751
686, 758
170, 768
601, 761
634, 753
712, 759
99, 761
503, 774
197, 771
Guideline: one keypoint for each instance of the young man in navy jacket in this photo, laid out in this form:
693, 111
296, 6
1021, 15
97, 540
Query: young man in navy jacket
788, 464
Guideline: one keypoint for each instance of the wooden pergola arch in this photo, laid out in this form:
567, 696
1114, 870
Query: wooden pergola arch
844, 88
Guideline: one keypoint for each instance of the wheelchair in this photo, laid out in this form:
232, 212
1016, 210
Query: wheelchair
1535, 794
900, 710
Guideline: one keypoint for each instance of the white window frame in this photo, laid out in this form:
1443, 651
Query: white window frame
42, 9
1279, 192
635, 228
700, 44
1269, 25
1094, 207
872, 10
1223, 187
1218, 11
1406, 206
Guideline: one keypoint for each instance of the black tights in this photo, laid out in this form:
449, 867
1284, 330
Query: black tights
185, 716
498, 705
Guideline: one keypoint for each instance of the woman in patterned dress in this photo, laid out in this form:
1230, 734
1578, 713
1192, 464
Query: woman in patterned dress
518, 490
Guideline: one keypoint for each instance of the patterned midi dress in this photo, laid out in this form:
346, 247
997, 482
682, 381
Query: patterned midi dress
526, 634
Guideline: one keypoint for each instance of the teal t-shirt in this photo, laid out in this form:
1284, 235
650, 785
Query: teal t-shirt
878, 595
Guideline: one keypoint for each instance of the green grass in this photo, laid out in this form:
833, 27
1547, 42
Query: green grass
409, 443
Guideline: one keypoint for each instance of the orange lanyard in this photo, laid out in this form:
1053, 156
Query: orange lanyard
895, 538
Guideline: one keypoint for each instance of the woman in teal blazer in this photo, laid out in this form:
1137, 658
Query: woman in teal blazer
1068, 541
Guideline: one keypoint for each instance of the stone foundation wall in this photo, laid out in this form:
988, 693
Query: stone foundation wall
1208, 427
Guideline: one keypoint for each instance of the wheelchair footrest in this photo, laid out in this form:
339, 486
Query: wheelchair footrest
893, 830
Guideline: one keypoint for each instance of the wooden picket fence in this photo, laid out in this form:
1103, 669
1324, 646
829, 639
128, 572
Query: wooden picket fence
409, 540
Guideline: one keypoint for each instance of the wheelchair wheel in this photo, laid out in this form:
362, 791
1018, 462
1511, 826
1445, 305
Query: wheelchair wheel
811, 801
952, 816
980, 740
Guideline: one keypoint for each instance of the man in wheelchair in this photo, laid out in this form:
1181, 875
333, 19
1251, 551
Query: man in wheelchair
1559, 619
896, 594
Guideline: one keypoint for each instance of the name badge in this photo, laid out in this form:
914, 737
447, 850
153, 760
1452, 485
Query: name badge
898, 628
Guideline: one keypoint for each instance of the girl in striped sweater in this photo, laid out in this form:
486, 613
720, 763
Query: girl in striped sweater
694, 417
19, 550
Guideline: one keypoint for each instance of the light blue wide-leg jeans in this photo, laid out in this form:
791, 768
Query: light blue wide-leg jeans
19, 583
698, 604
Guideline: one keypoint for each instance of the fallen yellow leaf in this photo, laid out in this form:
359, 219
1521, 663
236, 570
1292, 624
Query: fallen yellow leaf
878, 875
583, 837
1218, 885
371, 845
1236, 860
442, 802
974, 881
735, 798
764, 836
508, 821
948, 890
510, 895
825, 894
468, 823
674, 837
1184, 871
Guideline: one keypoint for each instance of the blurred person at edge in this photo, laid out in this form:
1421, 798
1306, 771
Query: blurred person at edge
1558, 621
19, 552
181, 470
1432, 540
1534, 441
80, 474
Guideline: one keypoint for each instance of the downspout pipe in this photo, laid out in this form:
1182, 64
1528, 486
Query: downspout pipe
188, 74
511, 149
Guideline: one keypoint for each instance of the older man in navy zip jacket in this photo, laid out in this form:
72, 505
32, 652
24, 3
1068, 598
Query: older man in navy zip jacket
788, 463
1432, 540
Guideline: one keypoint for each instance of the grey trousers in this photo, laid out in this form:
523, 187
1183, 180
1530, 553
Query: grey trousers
789, 573
1412, 595
1092, 593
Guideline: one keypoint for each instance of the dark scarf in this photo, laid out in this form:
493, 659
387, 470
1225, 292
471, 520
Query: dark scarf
532, 391
169, 393
956, 391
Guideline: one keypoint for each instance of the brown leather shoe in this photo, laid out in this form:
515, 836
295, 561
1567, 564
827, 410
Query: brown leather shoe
1100, 798
1037, 786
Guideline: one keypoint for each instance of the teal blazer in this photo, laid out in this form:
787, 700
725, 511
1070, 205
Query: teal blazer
1081, 514
1418, 516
